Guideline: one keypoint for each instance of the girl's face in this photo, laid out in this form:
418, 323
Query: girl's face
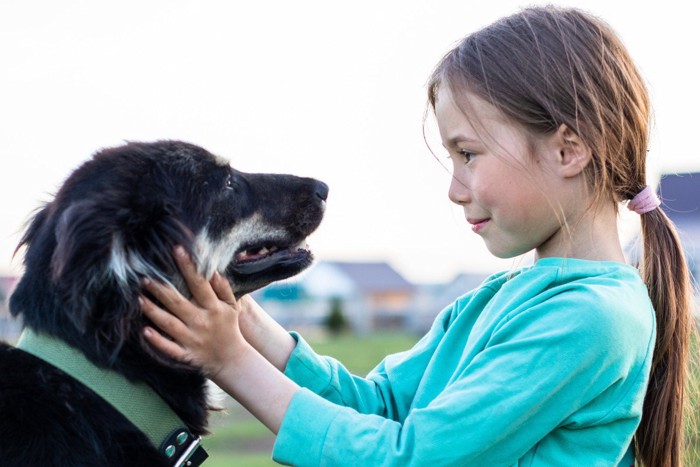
507, 192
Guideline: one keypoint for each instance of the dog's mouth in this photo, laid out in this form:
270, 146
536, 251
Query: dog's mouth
257, 258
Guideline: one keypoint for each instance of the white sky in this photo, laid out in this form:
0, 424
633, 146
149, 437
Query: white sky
325, 89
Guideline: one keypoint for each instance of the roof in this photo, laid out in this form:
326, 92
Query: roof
373, 277
680, 196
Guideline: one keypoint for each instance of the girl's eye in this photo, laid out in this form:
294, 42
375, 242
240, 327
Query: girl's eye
467, 155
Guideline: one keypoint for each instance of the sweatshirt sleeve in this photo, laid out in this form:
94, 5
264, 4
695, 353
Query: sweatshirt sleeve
540, 367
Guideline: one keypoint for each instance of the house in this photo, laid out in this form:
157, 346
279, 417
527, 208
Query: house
373, 295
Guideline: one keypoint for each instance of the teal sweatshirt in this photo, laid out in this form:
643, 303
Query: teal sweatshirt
543, 366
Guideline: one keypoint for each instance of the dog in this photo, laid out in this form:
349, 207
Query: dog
114, 221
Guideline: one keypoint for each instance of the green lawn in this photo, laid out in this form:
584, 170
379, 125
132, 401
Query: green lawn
361, 354
693, 422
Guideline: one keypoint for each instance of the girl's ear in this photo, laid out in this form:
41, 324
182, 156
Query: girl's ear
574, 154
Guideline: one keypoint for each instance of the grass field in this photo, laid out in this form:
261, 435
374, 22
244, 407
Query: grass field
238, 439
692, 452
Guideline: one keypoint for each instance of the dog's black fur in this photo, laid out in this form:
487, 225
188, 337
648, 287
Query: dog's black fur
114, 221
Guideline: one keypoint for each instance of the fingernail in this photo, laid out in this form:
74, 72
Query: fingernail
145, 281
180, 251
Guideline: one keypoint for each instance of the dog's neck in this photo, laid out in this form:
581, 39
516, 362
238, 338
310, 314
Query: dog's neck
183, 389
134, 400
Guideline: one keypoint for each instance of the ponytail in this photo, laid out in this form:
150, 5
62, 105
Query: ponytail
659, 438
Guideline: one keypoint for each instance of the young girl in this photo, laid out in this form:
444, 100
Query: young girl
576, 360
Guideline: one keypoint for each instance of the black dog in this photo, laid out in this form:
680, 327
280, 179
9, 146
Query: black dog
114, 221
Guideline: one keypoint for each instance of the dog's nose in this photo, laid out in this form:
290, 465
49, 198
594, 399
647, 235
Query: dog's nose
322, 190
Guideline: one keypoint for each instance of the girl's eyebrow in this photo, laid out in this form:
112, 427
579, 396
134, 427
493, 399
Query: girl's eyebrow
458, 139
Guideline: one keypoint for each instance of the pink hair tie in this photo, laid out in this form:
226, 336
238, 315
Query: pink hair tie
645, 201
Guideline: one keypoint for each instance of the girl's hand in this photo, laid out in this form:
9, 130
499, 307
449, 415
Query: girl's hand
205, 330
206, 333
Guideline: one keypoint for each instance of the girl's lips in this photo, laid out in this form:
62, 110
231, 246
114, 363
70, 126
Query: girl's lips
478, 224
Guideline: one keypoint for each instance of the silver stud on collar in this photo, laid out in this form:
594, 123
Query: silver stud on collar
181, 438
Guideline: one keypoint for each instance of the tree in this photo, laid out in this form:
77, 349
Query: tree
336, 322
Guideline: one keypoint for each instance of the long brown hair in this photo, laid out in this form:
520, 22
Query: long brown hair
545, 67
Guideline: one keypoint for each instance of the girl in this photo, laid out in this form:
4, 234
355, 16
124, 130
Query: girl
578, 359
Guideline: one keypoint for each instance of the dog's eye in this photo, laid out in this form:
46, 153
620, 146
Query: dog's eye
229, 182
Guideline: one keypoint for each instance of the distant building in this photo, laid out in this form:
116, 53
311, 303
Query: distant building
373, 296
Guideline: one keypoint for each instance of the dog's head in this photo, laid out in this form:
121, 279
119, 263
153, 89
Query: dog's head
117, 218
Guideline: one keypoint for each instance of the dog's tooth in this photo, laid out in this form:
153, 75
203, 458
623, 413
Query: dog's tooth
263, 251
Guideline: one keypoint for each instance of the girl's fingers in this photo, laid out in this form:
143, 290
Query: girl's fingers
170, 298
199, 287
169, 323
222, 289
166, 346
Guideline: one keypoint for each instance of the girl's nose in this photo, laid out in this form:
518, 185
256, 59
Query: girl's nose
458, 192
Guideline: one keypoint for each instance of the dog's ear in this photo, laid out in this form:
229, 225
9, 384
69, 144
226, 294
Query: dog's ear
80, 266
101, 256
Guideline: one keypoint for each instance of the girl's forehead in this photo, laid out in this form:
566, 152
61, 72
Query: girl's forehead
471, 104
466, 112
